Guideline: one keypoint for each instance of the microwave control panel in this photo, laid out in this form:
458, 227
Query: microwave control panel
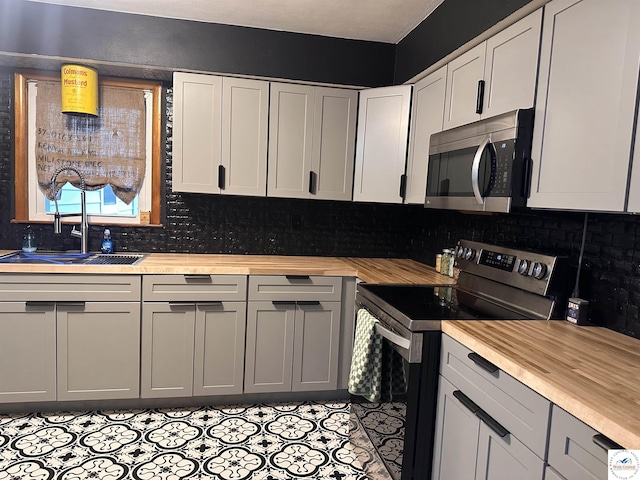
504, 162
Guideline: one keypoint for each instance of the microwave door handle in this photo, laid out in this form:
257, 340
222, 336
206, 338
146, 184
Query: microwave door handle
475, 170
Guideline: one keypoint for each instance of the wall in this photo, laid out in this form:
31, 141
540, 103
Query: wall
198, 223
156, 46
451, 25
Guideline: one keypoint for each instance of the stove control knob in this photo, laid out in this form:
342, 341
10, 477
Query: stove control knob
523, 267
469, 254
460, 251
539, 270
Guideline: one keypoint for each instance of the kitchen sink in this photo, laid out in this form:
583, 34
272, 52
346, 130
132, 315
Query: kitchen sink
71, 258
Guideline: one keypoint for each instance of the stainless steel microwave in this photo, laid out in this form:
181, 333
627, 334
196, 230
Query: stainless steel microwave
483, 166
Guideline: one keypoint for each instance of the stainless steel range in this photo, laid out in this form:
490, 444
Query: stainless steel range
494, 283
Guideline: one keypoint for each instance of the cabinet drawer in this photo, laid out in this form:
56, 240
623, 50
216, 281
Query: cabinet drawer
572, 450
295, 287
193, 288
70, 288
514, 405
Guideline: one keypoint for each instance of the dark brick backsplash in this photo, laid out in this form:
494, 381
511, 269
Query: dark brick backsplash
197, 223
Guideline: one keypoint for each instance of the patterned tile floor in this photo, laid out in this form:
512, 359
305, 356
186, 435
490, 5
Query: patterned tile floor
258, 442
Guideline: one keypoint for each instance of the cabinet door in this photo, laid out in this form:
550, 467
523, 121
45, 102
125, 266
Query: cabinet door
381, 146
463, 75
334, 141
505, 458
426, 119
269, 347
511, 67
197, 110
290, 140
551, 474
167, 349
219, 348
98, 350
316, 346
456, 437
27, 352
585, 104
245, 116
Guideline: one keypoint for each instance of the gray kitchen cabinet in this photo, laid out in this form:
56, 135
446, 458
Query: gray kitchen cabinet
293, 339
27, 352
427, 116
98, 350
577, 451
96, 330
496, 76
219, 134
311, 142
551, 474
498, 424
586, 101
381, 144
193, 335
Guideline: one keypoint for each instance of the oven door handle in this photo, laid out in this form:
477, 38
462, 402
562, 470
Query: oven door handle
393, 337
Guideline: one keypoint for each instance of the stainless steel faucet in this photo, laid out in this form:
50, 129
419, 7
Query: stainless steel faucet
83, 234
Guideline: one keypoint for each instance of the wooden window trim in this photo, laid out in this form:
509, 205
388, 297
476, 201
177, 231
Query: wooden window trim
21, 141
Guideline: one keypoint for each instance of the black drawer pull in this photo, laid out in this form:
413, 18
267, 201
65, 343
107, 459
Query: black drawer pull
482, 362
466, 401
221, 177
196, 276
32, 303
71, 304
308, 302
605, 443
297, 277
492, 423
277, 303
480, 97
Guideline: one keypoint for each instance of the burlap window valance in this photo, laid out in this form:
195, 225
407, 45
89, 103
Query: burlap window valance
108, 149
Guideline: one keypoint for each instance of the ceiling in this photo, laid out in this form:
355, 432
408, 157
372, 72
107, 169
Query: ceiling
387, 21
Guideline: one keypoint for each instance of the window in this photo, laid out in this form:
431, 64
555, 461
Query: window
103, 205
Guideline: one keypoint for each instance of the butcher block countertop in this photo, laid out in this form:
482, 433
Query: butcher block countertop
591, 372
370, 270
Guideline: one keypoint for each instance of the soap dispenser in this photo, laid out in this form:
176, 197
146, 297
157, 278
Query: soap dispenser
29, 243
107, 243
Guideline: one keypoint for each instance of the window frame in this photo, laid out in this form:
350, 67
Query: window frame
21, 155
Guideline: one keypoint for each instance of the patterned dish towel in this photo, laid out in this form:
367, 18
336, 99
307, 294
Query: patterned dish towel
377, 370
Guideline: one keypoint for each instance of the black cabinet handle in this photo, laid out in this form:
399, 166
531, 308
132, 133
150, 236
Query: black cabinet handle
313, 182
308, 302
482, 362
403, 186
526, 183
221, 176
492, 423
216, 303
466, 401
32, 303
605, 443
480, 98
71, 304
283, 303
195, 276
297, 277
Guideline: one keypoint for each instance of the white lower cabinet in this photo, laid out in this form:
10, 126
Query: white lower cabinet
27, 352
98, 350
69, 337
489, 426
193, 343
293, 340
577, 451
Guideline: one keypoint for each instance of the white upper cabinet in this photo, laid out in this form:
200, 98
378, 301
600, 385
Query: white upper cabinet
584, 119
311, 142
334, 143
245, 117
219, 134
381, 146
495, 77
197, 110
426, 119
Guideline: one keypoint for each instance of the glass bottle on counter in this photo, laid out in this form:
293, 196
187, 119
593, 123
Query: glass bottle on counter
439, 262
444, 262
451, 263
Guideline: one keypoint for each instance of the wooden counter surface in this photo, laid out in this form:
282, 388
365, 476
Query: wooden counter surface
591, 372
371, 270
